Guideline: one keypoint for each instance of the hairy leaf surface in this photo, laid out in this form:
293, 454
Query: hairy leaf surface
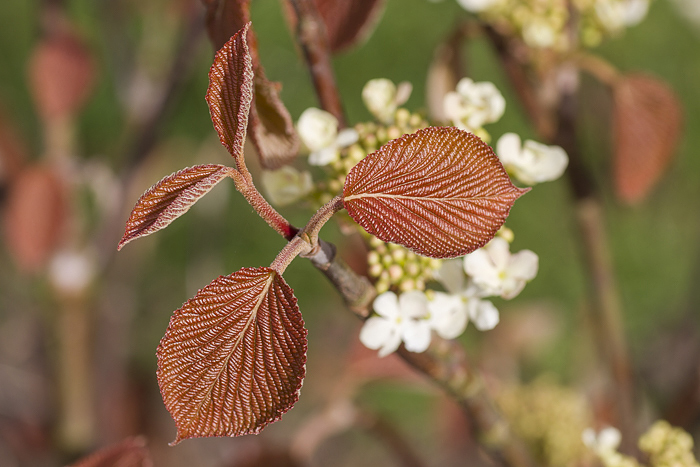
648, 122
233, 358
170, 198
441, 192
230, 92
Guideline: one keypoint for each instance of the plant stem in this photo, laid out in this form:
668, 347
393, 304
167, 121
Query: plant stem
319, 219
291, 250
311, 35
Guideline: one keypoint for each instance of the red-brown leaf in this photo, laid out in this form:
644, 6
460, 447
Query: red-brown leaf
34, 217
347, 21
648, 122
230, 92
271, 126
170, 198
233, 358
441, 192
224, 18
131, 452
61, 73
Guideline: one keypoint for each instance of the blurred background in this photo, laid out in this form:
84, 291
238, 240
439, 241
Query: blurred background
79, 323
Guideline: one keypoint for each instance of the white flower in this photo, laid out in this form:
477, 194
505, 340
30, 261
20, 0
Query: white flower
318, 131
448, 315
71, 272
604, 442
476, 6
286, 185
464, 292
532, 162
538, 33
400, 319
617, 14
498, 272
382, 97
474, 104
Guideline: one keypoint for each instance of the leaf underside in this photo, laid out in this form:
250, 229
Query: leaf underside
230, 93
170, 198
271, 126
234, 356
441, 192
648, 122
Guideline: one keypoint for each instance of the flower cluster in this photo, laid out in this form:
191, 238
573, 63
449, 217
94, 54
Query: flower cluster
665, 446
541, 23
410, 318
473, 105
393, 266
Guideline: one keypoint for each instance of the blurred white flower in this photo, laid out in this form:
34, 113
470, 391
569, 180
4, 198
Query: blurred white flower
498, 272
483, 314
539, 33
286, 185
532, 162
474, 104
399, 319
476, 6
464, 292
71, 272
448, 315
382, 97
617, 14
606, 441
318, 131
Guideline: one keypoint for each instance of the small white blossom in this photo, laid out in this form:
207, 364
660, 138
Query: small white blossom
539, 33
318, 131
462, 291
604, 442
497, 271
448, 315
382, 97
617, 14
532, 162
71, 272
399, 319
474, 104
476, 6
286, 185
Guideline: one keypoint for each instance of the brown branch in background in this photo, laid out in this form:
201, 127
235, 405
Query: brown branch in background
445, 363
392, 438
311, 35
606, 307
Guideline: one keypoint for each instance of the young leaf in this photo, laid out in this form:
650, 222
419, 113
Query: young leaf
170, 198
441, 192
233, 358
647, 128
230, 92
271, 126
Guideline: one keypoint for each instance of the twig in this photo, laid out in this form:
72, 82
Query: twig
444, 363
392, 438
311, 35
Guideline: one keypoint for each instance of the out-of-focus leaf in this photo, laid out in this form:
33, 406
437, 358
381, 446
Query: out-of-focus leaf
13, 152
131, 452
170, 198
34, 217
648, 120
233, 358
441, 192
347, 22
61, 74
230, 93
224, 18
271, 126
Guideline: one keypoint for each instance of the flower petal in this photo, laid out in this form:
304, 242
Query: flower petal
508, 148
415, 335
451, 275
413, 304
483, 314
376, 332
448, 315
387, 305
